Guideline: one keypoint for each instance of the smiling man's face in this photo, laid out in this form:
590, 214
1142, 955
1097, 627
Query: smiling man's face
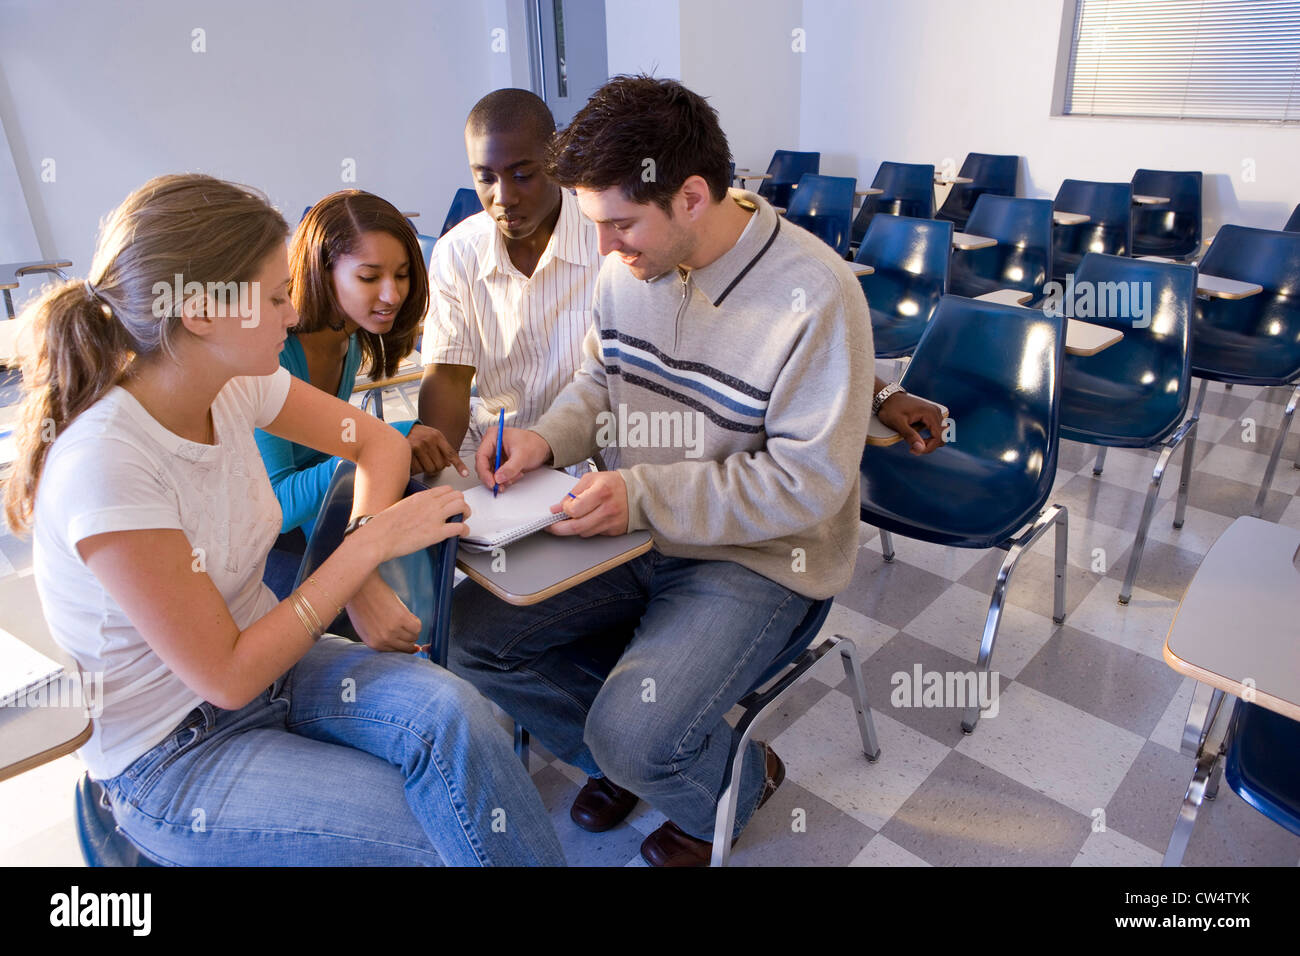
647, 239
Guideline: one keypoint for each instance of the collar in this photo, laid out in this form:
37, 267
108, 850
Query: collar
569, 241
719, 277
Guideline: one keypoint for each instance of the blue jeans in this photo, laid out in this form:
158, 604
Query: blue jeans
697, 636
351, 758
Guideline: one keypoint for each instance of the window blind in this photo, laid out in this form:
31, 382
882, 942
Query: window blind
1190, 59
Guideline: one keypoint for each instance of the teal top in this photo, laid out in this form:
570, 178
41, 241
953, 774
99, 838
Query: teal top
299, 475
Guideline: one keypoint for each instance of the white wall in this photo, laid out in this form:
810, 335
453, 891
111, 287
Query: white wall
643, 36
929, 79
286, 91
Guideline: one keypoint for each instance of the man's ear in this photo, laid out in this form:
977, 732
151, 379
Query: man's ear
695, 196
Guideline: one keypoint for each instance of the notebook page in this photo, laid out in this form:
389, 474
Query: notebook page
519, 510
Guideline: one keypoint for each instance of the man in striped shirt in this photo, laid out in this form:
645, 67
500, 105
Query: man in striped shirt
511, 286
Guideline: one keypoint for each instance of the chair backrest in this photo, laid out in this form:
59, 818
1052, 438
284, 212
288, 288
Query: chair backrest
823, 205
1171, 229
997, 370
422, 580
1134, 393
1022, 258
1257, 338
786, 169
908, 191
990, 173
426, 248
910, 257
463, 205
1293, 224
1109, 227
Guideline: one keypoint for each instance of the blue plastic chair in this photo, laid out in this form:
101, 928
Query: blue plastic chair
1135, 393
910, 257
1022, 258
1109, 227
1255, 340
1293, 224
991, 174
422, 579
997, 370
823, 205
908, 191
598, 655
426, 248
786, 169
1171, 229
463, 205
101, 843
1260, 767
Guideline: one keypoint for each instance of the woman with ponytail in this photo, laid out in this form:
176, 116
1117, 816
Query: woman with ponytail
152, 518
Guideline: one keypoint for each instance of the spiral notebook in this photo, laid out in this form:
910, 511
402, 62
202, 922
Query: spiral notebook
517, 512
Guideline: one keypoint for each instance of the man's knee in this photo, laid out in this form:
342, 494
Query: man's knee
633, 738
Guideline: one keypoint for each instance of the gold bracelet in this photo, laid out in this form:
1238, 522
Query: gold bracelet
337, 610
311, 613
302, 617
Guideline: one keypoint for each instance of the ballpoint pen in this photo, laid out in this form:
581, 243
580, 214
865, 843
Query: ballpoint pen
501, 427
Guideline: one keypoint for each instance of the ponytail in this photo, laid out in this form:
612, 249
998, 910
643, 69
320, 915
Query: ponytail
85, 336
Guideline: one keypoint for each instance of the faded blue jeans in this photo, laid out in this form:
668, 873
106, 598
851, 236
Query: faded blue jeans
351, 758
697, 635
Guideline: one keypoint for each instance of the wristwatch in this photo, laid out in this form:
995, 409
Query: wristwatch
891, 389
356, 523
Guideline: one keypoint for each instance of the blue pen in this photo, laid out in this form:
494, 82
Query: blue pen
501, 428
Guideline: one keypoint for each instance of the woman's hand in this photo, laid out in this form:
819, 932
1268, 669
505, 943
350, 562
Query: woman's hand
382, 621
416, 522
431, 452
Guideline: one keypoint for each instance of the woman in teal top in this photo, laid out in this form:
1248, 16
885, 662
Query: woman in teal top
361, 288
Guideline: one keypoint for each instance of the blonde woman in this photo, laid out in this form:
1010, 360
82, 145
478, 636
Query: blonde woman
152, 517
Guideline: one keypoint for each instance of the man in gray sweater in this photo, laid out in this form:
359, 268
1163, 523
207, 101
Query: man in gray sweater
730, 361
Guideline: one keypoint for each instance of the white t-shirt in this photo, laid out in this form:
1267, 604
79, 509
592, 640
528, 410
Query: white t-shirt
116, 468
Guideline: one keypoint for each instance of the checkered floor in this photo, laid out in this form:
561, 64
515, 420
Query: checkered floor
1080, 766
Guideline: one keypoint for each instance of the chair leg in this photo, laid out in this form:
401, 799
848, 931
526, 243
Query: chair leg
887, 545
1100, 463
1185, 474
858, 693
724, 820
1285, 426
521, 744
1187, 812
1201, 713
1056, 516
1149, 507
1062, 536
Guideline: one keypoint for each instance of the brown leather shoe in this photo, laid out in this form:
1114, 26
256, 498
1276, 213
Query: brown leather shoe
670, 845
601, 805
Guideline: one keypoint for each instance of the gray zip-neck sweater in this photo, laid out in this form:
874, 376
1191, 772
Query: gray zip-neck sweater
739, 397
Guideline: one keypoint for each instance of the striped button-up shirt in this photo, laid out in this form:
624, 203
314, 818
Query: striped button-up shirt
522, 334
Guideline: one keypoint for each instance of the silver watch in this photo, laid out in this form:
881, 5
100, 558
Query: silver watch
356, 523
881, 396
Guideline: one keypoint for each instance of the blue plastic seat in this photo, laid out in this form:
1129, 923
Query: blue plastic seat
908, 191
1109, 227
422, 579
426, 248
997, 370
823, 205
97, 835
1293, 224
1254, 340
1171, 229
1022, 258
786, 169
910, 257
990, 174
463, 205
1134, 394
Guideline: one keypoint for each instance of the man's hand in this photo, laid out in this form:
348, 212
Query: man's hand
431, 452
382, 620
521, 451
598, 506
901, 411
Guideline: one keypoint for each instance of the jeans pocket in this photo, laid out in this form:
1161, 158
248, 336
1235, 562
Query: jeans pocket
134, 783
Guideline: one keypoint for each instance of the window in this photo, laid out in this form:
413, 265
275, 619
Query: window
1187, 59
